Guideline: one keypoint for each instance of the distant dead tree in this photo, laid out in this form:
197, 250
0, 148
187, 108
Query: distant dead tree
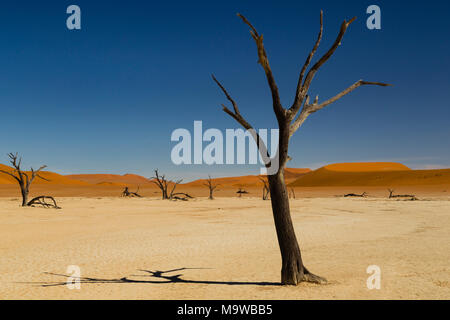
211, 186
289, 120
241, 191
128, 193
163, 184
362, 195
265, 192
293, 193
391, 195
25, 180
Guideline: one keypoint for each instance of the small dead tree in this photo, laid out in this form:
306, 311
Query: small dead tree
290, 119
163, 184
25, 180
240, 192
265, 192
128, 193
292, 193
211, 186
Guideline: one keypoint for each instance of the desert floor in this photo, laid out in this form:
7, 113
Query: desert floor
223, 249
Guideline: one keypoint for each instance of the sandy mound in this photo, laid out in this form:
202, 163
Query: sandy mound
371, 174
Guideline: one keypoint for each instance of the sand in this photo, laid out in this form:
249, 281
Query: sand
223, 249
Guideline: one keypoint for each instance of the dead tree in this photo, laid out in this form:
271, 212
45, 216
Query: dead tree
289, 120
211, 187
240, 192
265, 192
293, 193
362, 195
24, 179
391, 195
163, 184
127, 193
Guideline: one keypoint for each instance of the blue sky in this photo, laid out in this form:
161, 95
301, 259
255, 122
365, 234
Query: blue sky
106, 98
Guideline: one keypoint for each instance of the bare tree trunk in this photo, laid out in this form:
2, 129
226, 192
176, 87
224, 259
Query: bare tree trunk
25, 193
292, 271
292, 266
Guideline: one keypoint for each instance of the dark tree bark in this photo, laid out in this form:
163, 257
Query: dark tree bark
289, 120
23, 179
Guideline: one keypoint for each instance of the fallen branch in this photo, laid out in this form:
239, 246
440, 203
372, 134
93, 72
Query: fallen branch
181, 196
362, 195
411, 196
127, 193
40, 201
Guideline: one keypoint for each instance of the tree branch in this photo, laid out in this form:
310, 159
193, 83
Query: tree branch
236, 115
280, 112
312, 72
315, 106
10, 174
297, 101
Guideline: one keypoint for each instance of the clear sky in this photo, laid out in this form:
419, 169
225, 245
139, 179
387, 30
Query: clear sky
106, 98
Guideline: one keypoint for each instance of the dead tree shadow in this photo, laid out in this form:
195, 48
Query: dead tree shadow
156, 277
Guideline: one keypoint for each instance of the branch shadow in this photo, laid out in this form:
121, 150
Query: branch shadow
156, 277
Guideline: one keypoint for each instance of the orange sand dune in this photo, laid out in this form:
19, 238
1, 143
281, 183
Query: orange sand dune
371, 174
111, 184
247, 181
366, 166
53, 177
115, 179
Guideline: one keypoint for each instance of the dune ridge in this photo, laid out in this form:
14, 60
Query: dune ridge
371, 174
290, 175
54, 178
111, 179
